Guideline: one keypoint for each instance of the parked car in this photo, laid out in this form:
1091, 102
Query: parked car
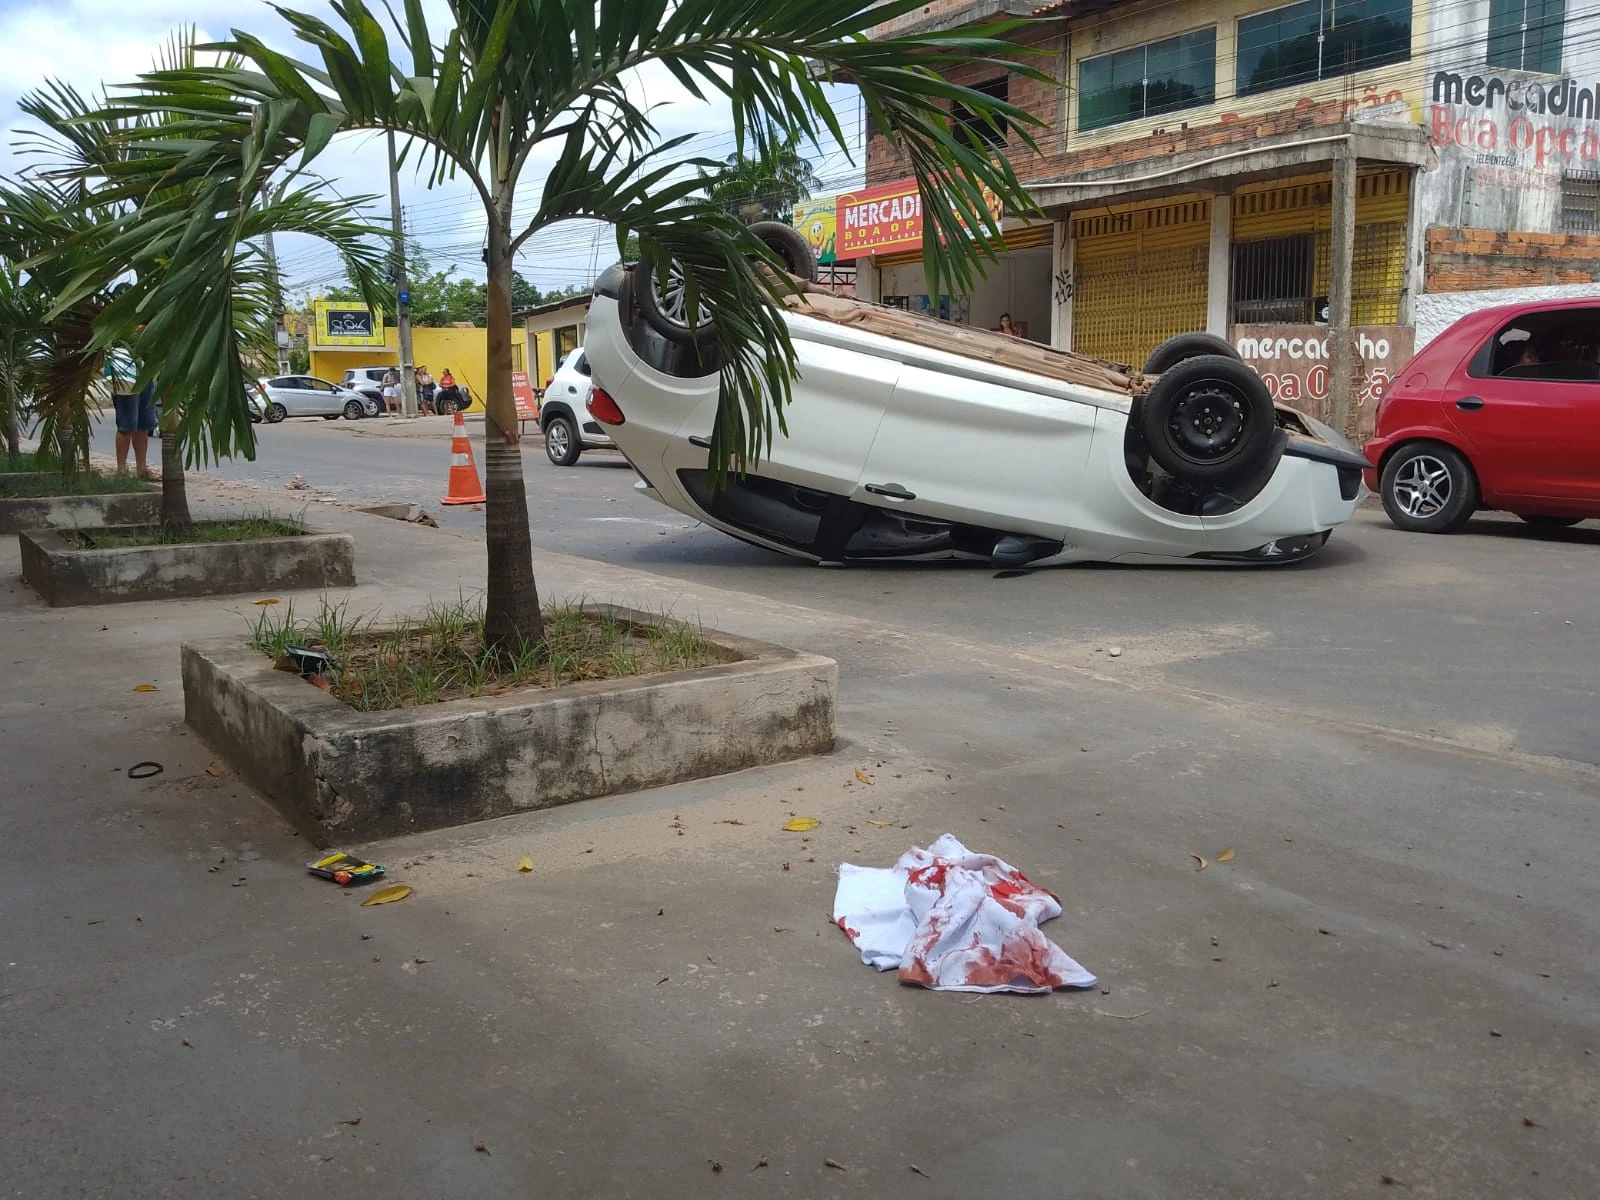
369, 382
307, 396
914, 439
568, 428
1500, 411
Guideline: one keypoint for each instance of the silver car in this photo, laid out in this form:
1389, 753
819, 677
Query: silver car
307, 396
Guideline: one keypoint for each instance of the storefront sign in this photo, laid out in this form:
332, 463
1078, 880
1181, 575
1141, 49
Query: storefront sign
340, 323
817, 221
1293, 362
1522, 131
522, 390
886, 219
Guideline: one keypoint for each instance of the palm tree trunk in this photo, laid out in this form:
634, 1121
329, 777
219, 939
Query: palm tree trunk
13, 435
511, 612
174, 493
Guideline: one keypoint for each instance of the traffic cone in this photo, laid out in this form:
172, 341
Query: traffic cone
464, 485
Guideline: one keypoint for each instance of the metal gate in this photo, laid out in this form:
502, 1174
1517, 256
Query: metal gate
1139, 277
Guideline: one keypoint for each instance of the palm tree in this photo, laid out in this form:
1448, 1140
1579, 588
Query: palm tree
22, 309
513, 77
166, 260
763, 188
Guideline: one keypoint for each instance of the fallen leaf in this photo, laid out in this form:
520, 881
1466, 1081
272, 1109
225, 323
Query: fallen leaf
1320, 929
351, 1121
1528, 1122
716, 1167
146, 687
270, 600
1273, 984
186, 1043
801, 824
880, 824
780, 929
214, 771
828, 1162
760, 1162
482, 1149
662, 980
1200, 864
524, 864
388, 895
319, 681
1494, 1033
730, 821
862, 776
1226, 855
1386, 1179
919, 1170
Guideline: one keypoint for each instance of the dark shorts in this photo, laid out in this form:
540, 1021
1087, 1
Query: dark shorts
137, 413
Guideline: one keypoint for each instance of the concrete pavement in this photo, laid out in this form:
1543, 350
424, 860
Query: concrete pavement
1395, 970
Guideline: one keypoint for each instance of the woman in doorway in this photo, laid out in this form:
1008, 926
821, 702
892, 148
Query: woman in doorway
1006, 327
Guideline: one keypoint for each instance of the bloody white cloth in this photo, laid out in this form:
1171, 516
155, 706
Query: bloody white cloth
954, 921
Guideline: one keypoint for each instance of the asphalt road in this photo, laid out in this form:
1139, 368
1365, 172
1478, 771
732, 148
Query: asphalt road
1486, 638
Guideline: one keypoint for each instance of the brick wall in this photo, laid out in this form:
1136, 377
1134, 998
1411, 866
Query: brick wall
1470, 260
1057, 162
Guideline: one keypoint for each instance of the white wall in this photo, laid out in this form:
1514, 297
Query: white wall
1438, 311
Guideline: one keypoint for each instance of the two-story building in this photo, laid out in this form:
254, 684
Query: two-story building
1312, 177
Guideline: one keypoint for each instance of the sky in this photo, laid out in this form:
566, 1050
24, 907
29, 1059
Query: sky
97, 43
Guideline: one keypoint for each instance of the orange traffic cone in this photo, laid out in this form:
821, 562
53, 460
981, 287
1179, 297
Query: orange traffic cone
464, 485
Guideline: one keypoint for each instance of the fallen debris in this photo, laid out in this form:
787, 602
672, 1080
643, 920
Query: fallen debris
524, 864
388, 895
919, 1170
949, 919
801, 824
837, 1166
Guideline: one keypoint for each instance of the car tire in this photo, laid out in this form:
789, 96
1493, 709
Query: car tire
790, 246
354, 410
1427, 487
1208, 420
276, 412
562, 446
664, 306
1545, 521
1187, 345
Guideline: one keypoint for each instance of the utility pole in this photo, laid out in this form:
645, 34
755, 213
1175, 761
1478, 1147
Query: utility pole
280, 326
402, 291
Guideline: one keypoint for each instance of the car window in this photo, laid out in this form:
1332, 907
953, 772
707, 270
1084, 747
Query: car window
283, 381
581, 363
320, 385
1553, 345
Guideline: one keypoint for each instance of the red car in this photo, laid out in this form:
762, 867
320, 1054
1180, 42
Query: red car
1501, 411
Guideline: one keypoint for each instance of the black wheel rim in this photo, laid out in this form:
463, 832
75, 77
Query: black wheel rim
1207, 421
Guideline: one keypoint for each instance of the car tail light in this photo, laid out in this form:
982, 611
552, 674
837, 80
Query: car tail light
603, 408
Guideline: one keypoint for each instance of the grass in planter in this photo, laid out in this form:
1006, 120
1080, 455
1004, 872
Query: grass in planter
41, 480
237, 529
441, 656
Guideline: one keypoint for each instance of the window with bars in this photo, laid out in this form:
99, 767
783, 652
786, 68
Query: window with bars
1284, 280
1320, 39
1146, 81
1525, 35
1580, 202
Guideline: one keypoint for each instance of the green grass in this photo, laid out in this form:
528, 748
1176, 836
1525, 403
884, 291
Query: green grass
41, 480
238, 529
441, 656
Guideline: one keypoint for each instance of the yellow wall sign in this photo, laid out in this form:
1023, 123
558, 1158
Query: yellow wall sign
347, 323
816, 221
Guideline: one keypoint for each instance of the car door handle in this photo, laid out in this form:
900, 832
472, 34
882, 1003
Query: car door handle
1469, 403
703, 443
892, 490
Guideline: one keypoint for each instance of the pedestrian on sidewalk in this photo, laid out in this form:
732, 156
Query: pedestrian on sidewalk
136, 421
391, 393
425, 388
448, 394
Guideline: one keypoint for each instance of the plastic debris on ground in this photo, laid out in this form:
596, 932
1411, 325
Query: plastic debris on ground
952, 920
345, 869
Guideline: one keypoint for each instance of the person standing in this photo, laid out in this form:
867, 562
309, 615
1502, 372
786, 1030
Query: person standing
425, 388
447, 393
391, 393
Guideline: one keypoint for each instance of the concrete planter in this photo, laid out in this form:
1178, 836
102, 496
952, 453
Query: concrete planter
346, 776
77, 512
64, 575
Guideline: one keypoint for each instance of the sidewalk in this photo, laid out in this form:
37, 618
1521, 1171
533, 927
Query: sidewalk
662, 1006
424, 427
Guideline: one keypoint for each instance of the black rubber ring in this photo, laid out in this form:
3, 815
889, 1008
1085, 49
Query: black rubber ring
137, 771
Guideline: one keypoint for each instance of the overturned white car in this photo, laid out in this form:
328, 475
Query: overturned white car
911, 439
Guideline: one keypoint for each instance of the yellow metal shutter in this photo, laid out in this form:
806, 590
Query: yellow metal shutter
1139, 277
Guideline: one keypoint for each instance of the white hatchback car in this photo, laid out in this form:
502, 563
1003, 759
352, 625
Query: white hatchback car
307, 396
911, 439
568, 428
